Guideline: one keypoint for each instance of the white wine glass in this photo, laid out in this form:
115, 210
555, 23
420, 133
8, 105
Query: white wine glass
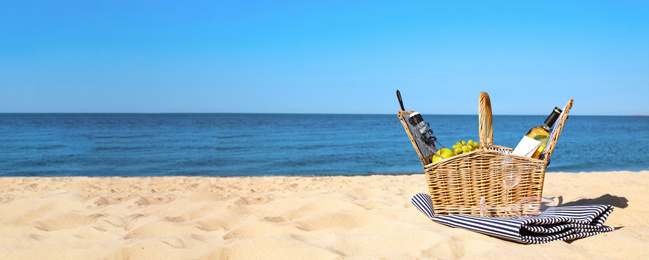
528, 206
510, 178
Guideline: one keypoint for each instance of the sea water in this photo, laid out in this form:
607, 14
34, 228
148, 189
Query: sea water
285, 144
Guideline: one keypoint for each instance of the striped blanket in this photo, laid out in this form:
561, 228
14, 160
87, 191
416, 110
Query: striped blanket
555, 223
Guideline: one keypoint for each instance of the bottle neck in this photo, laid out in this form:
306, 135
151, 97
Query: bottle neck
549, 122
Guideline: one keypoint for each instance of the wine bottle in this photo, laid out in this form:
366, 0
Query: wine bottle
536, 139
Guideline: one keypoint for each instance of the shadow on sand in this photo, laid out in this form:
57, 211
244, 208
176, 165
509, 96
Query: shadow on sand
608, 199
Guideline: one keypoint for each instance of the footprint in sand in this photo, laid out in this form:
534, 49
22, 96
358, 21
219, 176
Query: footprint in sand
66, 220
259, 229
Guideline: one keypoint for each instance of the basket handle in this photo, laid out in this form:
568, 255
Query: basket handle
485, 120
555, 138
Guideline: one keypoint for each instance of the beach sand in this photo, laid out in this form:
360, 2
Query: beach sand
355, 217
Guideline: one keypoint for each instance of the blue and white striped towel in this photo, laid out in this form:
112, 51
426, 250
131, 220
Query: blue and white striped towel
556, 223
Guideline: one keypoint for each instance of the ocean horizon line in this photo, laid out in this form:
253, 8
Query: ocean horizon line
280, 113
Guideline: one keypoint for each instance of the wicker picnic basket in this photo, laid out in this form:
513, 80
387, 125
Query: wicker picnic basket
457, 184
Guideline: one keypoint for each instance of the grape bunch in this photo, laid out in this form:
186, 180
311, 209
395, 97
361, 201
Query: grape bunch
459, 148
465, 147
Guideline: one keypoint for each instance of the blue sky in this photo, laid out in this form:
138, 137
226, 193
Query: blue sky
324, 56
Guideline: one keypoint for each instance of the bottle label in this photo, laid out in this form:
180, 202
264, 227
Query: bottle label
526, 147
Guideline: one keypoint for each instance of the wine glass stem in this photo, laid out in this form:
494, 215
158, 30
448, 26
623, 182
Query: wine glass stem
506, 200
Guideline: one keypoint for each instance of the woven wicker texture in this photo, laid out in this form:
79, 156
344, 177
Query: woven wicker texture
456, 184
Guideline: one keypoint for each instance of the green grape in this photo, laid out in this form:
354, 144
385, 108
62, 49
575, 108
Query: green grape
466, 149
458, 150
470, 142
476, 145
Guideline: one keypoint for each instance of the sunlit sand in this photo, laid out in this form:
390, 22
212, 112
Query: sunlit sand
356, 217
